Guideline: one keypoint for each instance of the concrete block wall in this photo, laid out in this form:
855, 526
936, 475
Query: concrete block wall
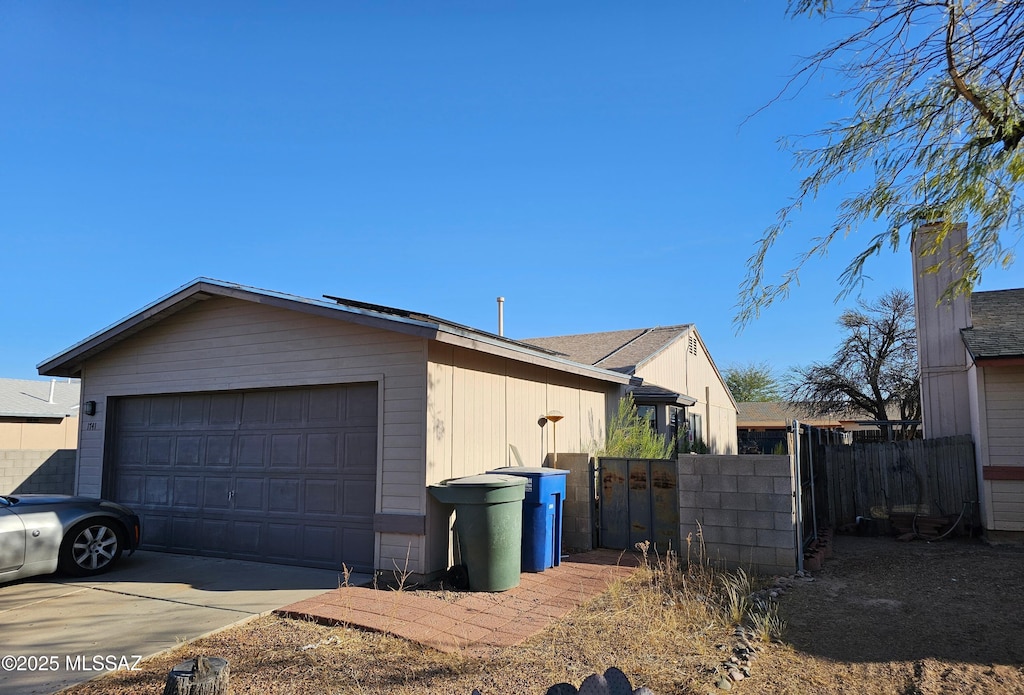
745, 507
24, 471
578, 512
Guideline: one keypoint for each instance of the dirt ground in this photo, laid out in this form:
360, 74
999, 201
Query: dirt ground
884, 616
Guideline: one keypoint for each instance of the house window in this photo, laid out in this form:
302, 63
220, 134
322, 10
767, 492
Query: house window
649, 413
696, 428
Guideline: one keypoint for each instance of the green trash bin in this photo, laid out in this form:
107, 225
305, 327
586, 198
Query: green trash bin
489, 524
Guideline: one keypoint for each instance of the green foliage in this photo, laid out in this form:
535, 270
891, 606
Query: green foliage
936, 121
631, 436
752, 382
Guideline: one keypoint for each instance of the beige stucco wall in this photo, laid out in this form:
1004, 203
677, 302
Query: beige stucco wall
686, 367
41, 435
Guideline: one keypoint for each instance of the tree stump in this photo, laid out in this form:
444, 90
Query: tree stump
198, 676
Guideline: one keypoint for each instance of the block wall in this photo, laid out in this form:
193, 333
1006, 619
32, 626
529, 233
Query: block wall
745, 506
50, 471
578, 512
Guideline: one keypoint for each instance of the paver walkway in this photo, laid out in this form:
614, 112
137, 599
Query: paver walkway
475, 621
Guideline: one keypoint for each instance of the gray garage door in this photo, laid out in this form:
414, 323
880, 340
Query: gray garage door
285, 475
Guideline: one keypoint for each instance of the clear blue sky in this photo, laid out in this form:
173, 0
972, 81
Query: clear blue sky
586, 160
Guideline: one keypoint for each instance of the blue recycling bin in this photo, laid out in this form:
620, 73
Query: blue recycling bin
542, 515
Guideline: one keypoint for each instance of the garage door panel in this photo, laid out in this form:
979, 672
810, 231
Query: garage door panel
285, 450
252, 450
288, 407
320, 542
282, 475
357, 546
283, 540
158, 451
192, 410
246, 537
217, 493
163, 412
224, 409
186, 492
359, 498
249, 494
129, 489
188, 450
219, 448
284, 495
184, 533
322, 450
158, 490
360, 452
255, 409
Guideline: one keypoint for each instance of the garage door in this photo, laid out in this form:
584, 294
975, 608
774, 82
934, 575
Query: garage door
285, 475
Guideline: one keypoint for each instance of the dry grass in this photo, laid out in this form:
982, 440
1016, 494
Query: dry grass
666, 627
882, 618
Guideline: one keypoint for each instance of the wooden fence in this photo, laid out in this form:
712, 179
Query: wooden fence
922, 476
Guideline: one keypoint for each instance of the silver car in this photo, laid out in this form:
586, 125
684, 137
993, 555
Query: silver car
81, 536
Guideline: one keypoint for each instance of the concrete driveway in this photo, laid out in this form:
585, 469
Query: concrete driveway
58, 631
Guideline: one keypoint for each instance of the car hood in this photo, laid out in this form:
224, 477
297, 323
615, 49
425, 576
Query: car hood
49, 499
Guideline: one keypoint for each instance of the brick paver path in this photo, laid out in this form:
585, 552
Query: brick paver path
476, 621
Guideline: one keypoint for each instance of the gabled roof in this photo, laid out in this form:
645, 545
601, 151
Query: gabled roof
24, 398
621, 351
70, 361
997, 329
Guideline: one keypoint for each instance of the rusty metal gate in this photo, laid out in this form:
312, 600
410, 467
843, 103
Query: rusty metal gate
638, 500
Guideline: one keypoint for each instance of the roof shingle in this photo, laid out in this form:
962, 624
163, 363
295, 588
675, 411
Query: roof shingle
998, 324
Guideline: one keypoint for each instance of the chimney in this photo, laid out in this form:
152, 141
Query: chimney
501, 316
941, 355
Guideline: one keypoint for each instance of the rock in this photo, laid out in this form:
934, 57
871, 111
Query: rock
735, 674
724, 684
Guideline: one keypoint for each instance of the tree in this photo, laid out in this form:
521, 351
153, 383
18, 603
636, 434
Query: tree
937, 122
631, 436
752, 382
874, 368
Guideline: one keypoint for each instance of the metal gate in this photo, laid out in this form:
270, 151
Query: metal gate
638, 501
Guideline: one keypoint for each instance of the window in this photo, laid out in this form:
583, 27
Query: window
649, 413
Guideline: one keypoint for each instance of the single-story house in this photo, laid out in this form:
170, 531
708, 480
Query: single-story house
683, 393
252, 424
971, 354
38, 435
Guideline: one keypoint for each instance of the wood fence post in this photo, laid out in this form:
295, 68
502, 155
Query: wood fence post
199, 676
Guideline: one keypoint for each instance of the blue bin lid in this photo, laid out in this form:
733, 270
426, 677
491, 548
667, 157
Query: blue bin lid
529, 471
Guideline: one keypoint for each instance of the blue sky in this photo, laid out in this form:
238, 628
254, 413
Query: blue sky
589, 161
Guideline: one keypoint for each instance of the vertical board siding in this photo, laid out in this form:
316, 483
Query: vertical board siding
929, 476
229, 344
678, 369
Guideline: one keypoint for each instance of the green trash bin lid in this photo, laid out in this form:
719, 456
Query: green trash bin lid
480, 489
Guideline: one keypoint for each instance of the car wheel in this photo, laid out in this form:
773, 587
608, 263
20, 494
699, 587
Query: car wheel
91, 547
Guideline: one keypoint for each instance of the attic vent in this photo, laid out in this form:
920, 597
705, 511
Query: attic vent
693, 345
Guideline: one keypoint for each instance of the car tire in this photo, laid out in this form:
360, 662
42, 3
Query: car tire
91, 547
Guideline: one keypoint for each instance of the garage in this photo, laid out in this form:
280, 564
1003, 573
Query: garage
283, 475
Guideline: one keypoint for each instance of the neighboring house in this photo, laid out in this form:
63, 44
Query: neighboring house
682, 392
251, 424
971, 353
761, 426
38, 435
38, 415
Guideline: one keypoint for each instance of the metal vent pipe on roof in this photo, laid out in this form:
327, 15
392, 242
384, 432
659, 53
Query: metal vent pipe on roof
501, 316
53, 386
